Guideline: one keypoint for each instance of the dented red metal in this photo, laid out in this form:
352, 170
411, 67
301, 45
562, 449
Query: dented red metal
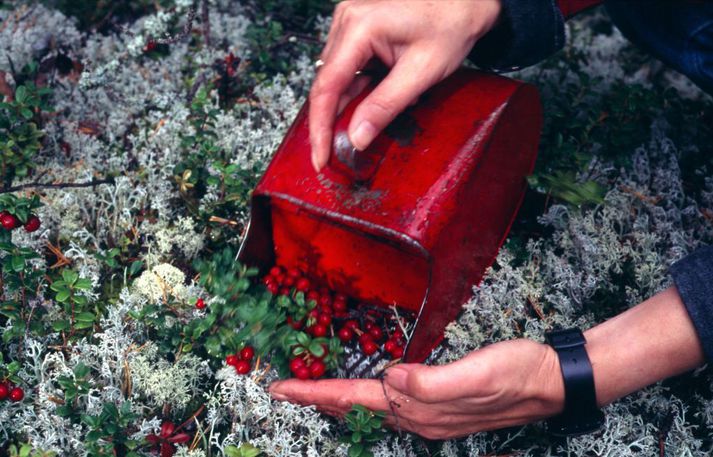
416, 219
571, 7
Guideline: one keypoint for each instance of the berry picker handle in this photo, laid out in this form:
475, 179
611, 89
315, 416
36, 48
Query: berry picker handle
358, 166
571, 7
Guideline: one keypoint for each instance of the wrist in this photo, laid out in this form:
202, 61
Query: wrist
549, 384
486, 17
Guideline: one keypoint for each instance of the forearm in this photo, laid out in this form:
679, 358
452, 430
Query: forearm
649, 342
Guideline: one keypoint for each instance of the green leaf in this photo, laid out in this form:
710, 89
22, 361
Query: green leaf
59, 326
83, 284
135, 267
355, 450
316, 349
85, 317
18, 263
83, 325
58, 285
63, 295
70, 276
81, 370
21, 94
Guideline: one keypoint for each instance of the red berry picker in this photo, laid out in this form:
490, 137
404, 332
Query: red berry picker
414, 220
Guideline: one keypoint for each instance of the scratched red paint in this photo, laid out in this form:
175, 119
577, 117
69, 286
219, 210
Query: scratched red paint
435, 200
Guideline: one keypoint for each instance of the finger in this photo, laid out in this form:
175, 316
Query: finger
334, 394
354, 89
333, 79
412, 74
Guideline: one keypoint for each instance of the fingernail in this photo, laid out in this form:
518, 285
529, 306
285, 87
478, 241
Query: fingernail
277, 395
363, 135
396, 377
314, 163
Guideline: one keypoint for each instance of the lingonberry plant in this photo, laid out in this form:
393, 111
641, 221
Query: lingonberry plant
19, 132
365, 428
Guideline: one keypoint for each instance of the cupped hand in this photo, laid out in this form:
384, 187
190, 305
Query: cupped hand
505, 384
422, 42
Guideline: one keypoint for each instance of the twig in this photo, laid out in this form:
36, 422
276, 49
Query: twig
205, 19
184, 33
59, 185
200, 79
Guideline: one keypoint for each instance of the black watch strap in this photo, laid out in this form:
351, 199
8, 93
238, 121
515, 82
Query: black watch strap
581, 414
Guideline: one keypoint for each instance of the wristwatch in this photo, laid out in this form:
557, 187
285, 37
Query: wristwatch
581, 414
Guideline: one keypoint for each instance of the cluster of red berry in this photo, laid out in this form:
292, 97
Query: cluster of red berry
10, 222
330, 314
371, 335
8, 390
306, 367
242, 361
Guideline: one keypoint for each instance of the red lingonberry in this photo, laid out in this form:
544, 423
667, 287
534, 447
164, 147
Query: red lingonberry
284, 291
4, 390
324, 319
200, 303
231, 360
296, 364
389, 346
150, 46
351, 324
302, 284
364, 338
345, 334
16, 394
340, 297
267, 280
341, 314
319, 330
242, 367
339, 306
369, 348
293, 323
398, 352
325, 300
280, 278
317, 369
8, 221
294, 272
276, 271
273, 288
289, 281
32, 224
302, 373
376, 333
397, 334
312, 295
368, 325
326, 310
247, 353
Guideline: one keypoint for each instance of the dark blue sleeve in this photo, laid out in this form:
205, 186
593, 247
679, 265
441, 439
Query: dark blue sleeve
693, 276
528, 32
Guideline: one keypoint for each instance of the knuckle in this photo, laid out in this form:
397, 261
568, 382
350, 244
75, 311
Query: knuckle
385, 109
419, 385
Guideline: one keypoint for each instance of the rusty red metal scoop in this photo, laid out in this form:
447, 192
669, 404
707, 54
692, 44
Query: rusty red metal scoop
416, 219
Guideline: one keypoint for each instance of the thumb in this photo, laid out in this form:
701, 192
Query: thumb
432, 384
407, 80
